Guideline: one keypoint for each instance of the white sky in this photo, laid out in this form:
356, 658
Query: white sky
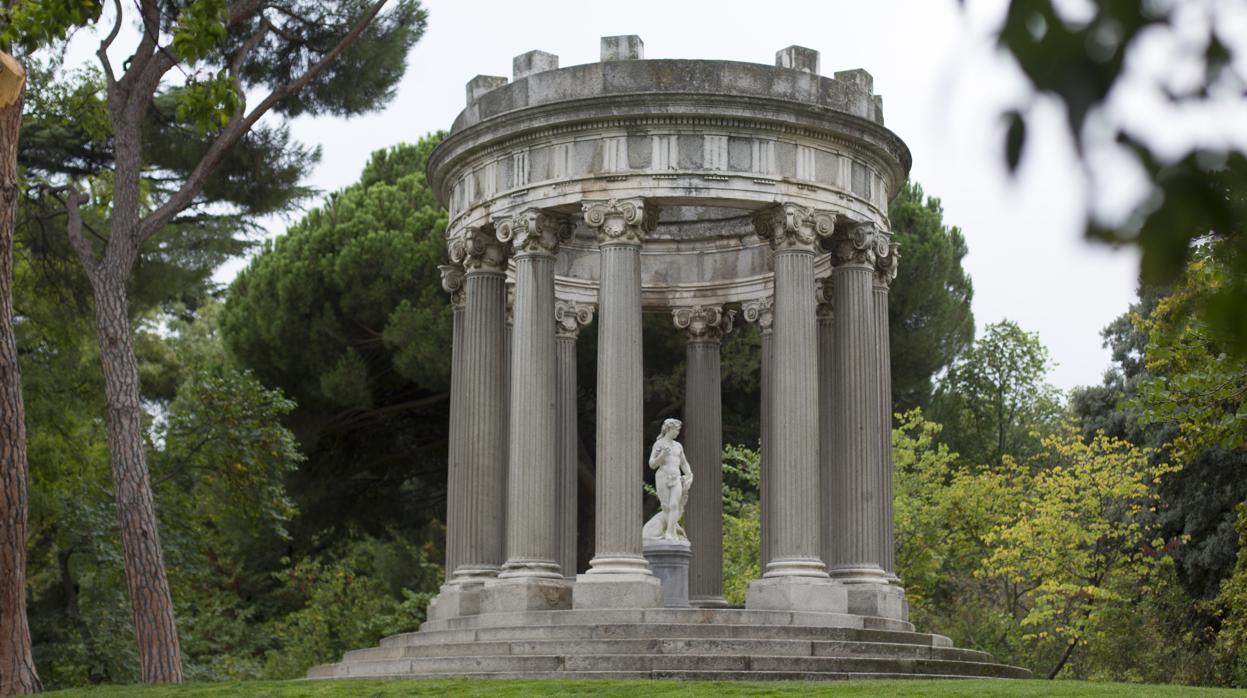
943, 86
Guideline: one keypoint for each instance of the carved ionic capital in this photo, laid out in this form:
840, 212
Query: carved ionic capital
823, 294
790, 227
533, 231
704, 323
569, 317
482, 252
452, 283
861, 244
620, 221
885, 265
761, 311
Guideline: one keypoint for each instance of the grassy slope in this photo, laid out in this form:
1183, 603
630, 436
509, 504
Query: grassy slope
649, 689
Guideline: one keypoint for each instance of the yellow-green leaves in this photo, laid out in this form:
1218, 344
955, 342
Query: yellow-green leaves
30, 24
200, 28
208, 104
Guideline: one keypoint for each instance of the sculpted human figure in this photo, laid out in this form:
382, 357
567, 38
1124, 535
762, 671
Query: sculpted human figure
671, 482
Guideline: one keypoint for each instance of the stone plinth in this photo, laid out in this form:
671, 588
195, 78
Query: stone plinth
669, 560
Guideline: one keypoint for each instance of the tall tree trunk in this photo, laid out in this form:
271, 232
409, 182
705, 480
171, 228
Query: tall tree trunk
17, 665
159, 652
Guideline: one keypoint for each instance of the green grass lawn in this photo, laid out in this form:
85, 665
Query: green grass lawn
649, 689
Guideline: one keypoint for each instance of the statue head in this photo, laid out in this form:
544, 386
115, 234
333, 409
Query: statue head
672, 426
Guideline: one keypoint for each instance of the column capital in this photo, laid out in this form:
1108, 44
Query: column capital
886, 264
533, 231
620, 221
452, 283
704, 323
858, 245
823, 295
570, 316
482, 252
793, 228
761, 311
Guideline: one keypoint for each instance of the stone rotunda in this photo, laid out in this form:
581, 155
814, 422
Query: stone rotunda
709, 191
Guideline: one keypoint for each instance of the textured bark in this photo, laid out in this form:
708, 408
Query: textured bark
17, 666
154, 629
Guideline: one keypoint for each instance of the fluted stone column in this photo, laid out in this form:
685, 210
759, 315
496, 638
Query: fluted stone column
885, 272
618, 575
826, 408
569, 318
475, 488
762, 312
452, 282
857, 557
795, 578
530, 578
703, 445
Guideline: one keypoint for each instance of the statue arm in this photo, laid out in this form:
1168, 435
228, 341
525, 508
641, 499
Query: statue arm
685, 468
655, 454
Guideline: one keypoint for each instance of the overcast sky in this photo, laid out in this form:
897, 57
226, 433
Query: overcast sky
943, 86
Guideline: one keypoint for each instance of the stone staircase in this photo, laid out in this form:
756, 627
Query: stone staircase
696, 644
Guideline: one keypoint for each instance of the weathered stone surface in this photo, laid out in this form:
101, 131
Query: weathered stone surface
532, 62
617, 590
796, 593
669, 561
709, 649
622, 48
481, 84
797, 58
524, 594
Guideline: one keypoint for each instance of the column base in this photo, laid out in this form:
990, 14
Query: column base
455, 601
877, 599
796, 594
525, 594
708, 602
616, 591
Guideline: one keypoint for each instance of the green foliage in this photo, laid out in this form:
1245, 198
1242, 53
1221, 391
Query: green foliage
345, 313
346, 604
1197, 384
742, 550
1230, 605
1080, 61
929, 312
30, 24
996, 396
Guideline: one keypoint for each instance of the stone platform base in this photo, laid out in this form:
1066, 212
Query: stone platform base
693, 644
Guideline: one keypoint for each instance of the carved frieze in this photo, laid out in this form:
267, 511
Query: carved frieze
789, 226
570, 317
533, 231
452, 283
482, 252
704, 323
859, 244
761, 311
620, 220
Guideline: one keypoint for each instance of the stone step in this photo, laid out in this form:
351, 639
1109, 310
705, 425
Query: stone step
659, 616
745, 664
595, 631
681, 675
753, 647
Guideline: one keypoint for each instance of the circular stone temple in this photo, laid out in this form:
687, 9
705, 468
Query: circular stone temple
716, 192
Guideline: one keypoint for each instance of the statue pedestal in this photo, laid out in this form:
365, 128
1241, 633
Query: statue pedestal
669, 560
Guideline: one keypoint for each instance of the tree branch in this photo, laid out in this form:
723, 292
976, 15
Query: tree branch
73, 224
239, 127
108, 41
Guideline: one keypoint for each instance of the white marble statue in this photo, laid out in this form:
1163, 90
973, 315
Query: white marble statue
671, 482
